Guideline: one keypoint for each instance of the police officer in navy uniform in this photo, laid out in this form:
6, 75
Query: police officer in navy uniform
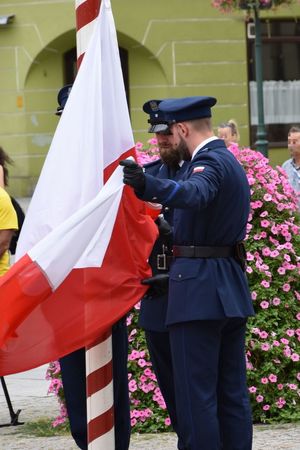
153, 308
73, 371
209, 299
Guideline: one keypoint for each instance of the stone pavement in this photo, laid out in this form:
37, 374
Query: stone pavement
28, 392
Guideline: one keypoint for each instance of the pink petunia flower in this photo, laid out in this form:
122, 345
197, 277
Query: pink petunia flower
264, 304
290, 332
276, 301
168, 421
254, 296
286, 287
252, 389
272, 378
263, 334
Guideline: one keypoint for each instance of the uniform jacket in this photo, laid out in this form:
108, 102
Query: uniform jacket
211, 208
153, 310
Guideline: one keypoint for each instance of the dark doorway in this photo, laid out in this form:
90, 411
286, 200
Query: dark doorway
70, 68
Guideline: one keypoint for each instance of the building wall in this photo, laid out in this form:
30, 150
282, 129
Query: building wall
175, 48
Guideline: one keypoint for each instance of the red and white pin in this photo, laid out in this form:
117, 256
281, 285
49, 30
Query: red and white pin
198, 169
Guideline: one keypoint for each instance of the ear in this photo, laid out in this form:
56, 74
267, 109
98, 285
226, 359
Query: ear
183, 129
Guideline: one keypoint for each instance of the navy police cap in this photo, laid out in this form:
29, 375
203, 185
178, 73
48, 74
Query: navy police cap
156, 117
187, 108
62, 98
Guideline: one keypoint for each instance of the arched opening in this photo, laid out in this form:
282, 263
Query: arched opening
70, 67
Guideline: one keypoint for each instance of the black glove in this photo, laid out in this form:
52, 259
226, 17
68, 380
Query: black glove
133, 175
158, 285
165, 230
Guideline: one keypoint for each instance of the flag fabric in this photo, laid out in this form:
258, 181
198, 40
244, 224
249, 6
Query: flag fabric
84, 244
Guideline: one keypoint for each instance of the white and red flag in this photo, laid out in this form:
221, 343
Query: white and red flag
85, 242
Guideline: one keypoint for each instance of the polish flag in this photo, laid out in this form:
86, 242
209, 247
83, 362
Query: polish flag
85, 241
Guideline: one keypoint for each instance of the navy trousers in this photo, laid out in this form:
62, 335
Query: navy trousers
213, 407
74, 383
158, 344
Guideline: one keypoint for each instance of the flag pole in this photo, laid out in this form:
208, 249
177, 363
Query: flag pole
99, 376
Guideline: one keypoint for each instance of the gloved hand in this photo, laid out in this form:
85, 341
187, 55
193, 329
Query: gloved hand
159, 285
164, 228
133, 175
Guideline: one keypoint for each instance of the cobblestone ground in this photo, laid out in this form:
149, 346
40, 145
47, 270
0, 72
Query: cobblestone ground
267, 437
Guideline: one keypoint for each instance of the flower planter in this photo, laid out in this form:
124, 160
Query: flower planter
248, 4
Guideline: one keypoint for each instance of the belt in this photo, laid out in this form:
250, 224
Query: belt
192, 251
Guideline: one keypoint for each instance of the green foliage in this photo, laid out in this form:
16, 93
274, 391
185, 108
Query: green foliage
43, 428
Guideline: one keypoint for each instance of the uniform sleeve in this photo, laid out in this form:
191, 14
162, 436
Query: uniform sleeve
8, 216
198, 191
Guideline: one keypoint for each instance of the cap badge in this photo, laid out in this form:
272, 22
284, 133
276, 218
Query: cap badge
153, 105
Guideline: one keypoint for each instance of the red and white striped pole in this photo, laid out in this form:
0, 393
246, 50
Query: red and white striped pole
99, 376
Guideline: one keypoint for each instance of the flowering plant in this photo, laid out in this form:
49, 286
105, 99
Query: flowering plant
148, 154
53, 374
272, 347
272, 244
231, 5
148, 408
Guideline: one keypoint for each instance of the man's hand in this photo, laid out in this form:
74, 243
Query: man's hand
133, 175
158, 285
164, 228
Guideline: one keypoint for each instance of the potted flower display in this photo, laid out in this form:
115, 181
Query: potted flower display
231, 5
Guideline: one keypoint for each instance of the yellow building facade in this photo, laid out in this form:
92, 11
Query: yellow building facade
170, 49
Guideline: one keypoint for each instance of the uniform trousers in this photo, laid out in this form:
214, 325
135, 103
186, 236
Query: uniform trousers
213, 407
74, 384
158, 344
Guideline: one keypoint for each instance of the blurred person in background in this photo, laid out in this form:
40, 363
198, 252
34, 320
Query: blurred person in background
292, 165
5, 159
8, 226
228, 131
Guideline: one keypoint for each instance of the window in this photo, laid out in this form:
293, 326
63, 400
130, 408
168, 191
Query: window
281, 85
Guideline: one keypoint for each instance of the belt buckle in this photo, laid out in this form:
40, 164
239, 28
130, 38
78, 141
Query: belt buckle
162, 262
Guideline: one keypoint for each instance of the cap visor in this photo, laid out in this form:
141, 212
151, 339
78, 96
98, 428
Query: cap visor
158, 128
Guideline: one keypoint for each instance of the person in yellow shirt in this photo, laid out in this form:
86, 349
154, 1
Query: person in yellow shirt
8, 226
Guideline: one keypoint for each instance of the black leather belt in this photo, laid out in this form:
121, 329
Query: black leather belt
192, 251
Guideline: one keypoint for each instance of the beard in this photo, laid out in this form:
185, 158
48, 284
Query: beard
183, 150
170, 156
